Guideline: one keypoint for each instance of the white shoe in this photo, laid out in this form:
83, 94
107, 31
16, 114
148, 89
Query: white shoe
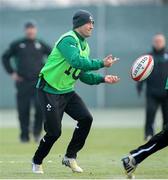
129, 165
72, 163
38, 169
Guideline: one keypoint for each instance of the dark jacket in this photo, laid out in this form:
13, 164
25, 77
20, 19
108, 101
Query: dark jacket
155, 83
28, 56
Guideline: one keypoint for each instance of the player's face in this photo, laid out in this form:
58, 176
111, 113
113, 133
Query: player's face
159, 42
86, 29
31, 32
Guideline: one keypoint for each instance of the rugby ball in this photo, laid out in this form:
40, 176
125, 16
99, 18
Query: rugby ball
142, 68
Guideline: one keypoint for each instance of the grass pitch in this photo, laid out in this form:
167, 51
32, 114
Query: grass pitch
100, 158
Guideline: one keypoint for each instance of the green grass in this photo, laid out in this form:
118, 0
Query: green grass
100, 158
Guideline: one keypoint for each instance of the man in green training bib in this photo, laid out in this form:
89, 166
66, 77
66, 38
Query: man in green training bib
69, 61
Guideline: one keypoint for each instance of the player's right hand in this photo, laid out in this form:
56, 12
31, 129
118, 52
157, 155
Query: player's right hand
109, 61
16, 77
110, 79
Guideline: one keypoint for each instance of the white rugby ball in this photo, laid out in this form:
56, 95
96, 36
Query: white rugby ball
142, 68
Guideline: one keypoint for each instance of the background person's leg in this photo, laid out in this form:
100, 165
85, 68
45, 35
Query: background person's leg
23, 107
78, 111
151, 109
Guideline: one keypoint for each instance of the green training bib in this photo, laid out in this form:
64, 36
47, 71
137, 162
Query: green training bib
57, 72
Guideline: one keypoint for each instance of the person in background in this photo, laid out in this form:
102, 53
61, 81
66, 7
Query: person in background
28, 54
155, 92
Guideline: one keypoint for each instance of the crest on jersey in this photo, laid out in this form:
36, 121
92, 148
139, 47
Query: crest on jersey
166, 56
37, 45
22, 45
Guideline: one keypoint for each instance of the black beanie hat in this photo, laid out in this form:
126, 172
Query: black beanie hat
30, 24
82, 17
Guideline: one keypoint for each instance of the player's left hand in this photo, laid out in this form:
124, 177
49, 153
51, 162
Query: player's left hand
110, 60
110, 79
